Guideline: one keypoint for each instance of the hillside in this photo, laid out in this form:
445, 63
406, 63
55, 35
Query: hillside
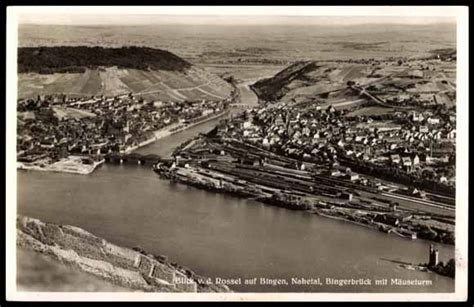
307, 79
82, 251
327, 82
37, 272
77, 59
83, 72
275, 87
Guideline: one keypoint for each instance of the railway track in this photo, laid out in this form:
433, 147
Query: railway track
425, 203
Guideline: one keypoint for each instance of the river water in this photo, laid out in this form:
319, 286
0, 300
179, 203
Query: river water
222, 236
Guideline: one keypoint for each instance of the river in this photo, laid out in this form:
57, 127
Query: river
222, 236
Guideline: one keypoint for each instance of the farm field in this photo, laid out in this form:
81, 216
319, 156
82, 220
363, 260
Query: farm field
312, 90
239, 44
193, 84
243, 72
331, 81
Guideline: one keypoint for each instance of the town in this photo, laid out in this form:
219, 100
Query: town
374, 158
368, 141
56, 130
265, 150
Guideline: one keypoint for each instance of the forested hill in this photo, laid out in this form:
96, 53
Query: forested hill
47, 60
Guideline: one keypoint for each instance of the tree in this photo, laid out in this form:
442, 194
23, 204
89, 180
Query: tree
450, 268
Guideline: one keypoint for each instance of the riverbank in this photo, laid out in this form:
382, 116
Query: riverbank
223, 177
75, 165
71, 164
189, 225
131, 268
176, 128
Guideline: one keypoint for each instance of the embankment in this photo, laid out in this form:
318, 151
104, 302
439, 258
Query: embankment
415, 227
131, 268
176, 128
71, 165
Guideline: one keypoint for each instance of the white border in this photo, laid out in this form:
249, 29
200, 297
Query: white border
398, 11
458, 12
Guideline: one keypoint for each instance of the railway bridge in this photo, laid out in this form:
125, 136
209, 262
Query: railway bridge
135, 158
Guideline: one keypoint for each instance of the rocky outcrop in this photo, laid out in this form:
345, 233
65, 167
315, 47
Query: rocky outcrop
131, 268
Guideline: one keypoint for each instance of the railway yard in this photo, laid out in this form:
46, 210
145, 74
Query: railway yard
385, 163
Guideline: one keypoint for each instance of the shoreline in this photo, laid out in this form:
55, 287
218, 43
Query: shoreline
80, 169
323, 211
132, 268
167, 131
84, 169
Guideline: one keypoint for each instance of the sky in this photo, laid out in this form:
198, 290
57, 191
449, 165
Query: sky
225, 20
236, 15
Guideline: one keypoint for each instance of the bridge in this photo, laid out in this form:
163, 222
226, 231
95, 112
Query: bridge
135, 158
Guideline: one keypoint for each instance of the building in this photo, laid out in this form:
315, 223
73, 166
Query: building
347, 196
451, 135
395, 159
407, 164
433, 121
423, 129
353, 177
417, 117
416, 160
433, 256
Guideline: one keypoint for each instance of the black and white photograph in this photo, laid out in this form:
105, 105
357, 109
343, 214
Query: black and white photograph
237, 153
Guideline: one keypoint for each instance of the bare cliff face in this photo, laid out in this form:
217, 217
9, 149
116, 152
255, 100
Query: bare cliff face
130, 268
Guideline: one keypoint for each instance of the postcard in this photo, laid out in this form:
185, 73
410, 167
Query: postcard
237, 153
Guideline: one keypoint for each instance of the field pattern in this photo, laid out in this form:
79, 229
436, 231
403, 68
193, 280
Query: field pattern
244, 44
193, 84
407, 82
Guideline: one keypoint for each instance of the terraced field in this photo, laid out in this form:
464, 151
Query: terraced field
192, 84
